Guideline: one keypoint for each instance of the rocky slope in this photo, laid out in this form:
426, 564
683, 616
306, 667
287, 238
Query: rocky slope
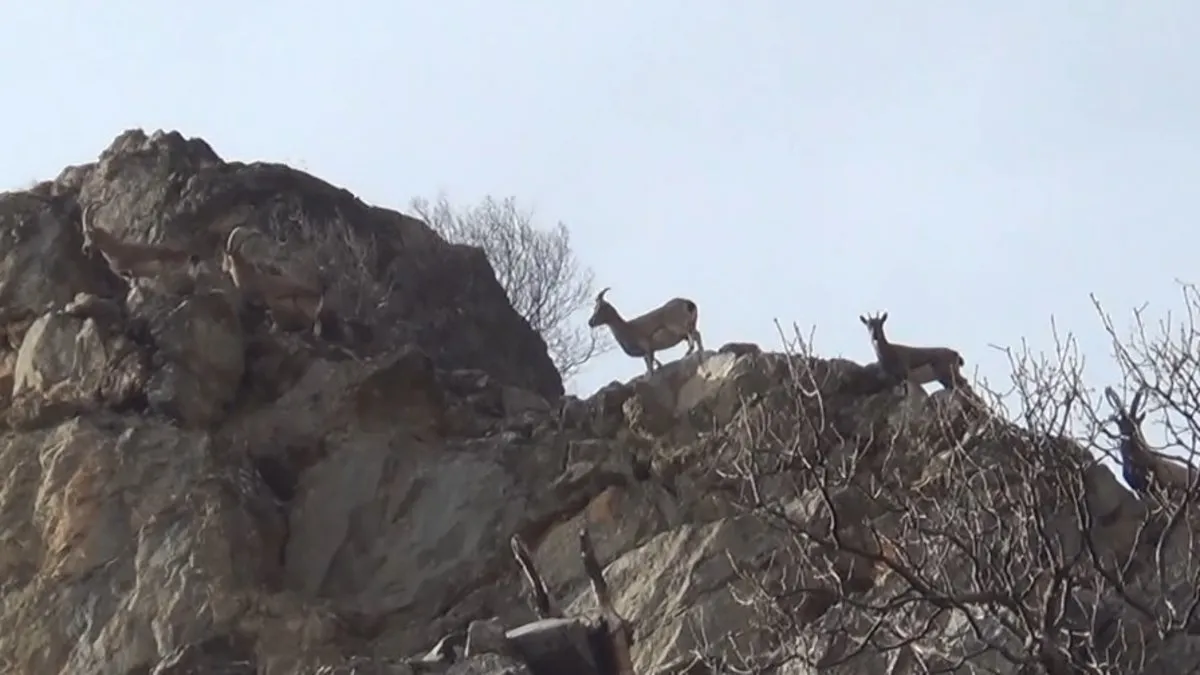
191, 491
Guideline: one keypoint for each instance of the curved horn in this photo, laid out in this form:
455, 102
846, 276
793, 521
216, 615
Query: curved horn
1114, 399
233, 235
86, 230
1136, 404
229, 239
600, 295
85, 217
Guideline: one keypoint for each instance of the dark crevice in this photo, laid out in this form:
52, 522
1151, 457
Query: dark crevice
281, 554
134, 404
252, 314
641, 468
329, 327
602, 648
138, 331
280, 479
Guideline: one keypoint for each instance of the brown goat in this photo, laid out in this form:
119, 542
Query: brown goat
1144, 469
131, 260
660, 328
913, 365
282, 294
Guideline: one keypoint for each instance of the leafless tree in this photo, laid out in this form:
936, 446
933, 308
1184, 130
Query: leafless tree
544, 279
931, 534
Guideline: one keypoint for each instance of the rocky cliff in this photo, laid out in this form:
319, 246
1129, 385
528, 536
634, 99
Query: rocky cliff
191, 489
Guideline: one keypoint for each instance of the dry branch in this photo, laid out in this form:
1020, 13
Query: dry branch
972, 537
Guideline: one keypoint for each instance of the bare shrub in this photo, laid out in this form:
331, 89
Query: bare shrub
924, 535
537, 267
341, 256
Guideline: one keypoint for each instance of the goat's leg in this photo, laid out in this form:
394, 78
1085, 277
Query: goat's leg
649, 358
949, 377
954, 381
699, 342
595, 573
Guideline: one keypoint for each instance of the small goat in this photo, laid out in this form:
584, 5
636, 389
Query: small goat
656, 330
279, 292
129, 260
910, 365
1144, 469
610, 638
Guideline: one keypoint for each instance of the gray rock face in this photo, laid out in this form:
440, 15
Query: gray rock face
189, 491
384, 269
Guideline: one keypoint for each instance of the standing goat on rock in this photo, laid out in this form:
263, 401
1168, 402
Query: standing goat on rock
1144, 470
282, 294
130, 260
656, 330
913, 365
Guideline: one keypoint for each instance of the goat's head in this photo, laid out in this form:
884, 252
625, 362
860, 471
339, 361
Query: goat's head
604, 313
1129, 422
231, 248
874, 325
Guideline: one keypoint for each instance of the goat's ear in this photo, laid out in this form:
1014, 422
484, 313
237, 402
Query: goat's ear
864, 320
883, 317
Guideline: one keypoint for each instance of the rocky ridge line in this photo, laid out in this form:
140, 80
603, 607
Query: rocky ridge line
191, 491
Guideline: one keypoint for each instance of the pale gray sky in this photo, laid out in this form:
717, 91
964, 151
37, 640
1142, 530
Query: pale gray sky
972, 168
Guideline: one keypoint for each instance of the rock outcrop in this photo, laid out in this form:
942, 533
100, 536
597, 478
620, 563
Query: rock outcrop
191, 491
